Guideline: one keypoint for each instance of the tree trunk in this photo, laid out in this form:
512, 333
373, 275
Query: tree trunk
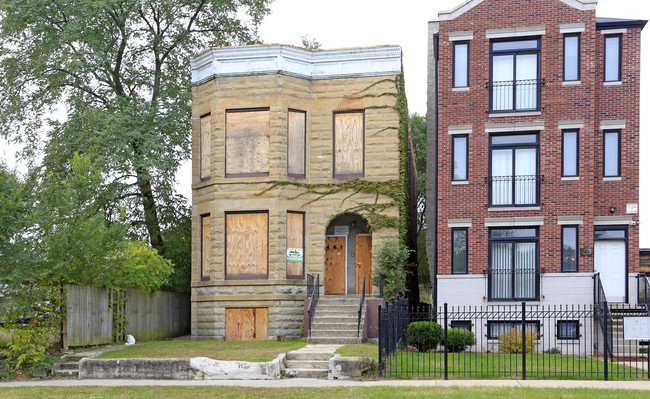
412, 283
151, 221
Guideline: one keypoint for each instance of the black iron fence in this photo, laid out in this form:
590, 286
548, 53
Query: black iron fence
506, 341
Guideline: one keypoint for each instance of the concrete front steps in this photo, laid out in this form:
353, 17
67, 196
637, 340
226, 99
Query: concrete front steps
312, 361
69, 366
335, 320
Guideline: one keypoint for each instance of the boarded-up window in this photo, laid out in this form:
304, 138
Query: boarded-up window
295, 245
348, 144
247, 324
247, 142
206, 131
296, 143
205, 247
247, 243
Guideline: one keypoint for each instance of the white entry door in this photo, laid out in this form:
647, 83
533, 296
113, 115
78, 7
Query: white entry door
610, 263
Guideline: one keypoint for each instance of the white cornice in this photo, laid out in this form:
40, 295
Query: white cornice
294, 61
469, 4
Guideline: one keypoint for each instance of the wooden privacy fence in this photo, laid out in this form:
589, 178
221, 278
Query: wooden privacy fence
90, 315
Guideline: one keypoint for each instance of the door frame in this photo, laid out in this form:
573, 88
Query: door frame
346, 260
623, 228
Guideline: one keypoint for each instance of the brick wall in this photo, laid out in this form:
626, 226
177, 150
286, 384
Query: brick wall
590, 101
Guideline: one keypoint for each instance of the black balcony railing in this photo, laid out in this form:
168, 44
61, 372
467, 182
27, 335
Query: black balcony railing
515, 95
519, 190
518, 284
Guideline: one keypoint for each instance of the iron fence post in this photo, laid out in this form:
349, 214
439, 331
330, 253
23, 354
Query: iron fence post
381, 341
523, 337
446, 347
606, 345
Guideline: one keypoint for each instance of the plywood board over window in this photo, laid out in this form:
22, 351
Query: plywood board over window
247, 245
296, 138
247, 324
247, 142
295, 245
205, 248
349, 144
206, 131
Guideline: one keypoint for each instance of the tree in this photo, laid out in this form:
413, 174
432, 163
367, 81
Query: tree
309, 43
418, 126
120, 70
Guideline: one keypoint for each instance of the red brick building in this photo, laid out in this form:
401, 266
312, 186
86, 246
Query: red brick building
533, 153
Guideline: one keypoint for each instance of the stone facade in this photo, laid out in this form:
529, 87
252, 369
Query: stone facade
589, 105
282, 78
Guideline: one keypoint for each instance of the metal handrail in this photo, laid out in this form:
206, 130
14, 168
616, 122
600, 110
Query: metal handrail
362, 298
313, 293
603, 314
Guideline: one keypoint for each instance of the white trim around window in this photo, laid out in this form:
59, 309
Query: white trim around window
514, 221
561, 220
607, 125
461, 35
572, 28
459, 223
460, 129
515, 32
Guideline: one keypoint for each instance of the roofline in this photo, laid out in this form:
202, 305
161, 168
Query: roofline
297, 62
467, 5
624, 23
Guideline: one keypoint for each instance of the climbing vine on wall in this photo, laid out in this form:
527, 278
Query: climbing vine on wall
395, 190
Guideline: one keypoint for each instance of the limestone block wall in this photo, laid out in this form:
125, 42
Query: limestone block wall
319, 98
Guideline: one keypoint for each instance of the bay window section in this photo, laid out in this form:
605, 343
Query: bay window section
513, 272
612, 153
460, 160
514, 78
514, 179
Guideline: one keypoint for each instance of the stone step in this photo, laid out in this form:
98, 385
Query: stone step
334, 333
66, 373
335, 326
330, 318
334, 340
305, 373
74, 357
307, 364
309, 356
70, 366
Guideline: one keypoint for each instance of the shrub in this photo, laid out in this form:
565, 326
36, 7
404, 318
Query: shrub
511, 341
391, 264
424, 335
553, 351
458, 339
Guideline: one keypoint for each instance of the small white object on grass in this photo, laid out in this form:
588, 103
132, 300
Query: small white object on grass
130, 340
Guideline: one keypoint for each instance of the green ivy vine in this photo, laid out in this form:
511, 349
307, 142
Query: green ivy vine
396, 189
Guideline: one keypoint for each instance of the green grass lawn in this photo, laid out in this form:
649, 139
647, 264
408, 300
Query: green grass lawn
359, 350
499, 366
252, 351
158, 392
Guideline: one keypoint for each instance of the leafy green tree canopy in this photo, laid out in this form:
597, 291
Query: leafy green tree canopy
120, 71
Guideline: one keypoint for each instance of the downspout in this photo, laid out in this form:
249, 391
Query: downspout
435, 178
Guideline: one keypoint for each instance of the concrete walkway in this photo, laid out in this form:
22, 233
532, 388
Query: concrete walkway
315, 383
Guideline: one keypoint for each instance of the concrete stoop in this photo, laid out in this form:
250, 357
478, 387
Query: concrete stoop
312, 361
335, 320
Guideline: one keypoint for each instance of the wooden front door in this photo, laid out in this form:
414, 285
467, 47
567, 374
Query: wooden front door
335, 265
364, 262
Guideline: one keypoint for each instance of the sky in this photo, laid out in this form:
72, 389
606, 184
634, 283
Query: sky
357, 23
